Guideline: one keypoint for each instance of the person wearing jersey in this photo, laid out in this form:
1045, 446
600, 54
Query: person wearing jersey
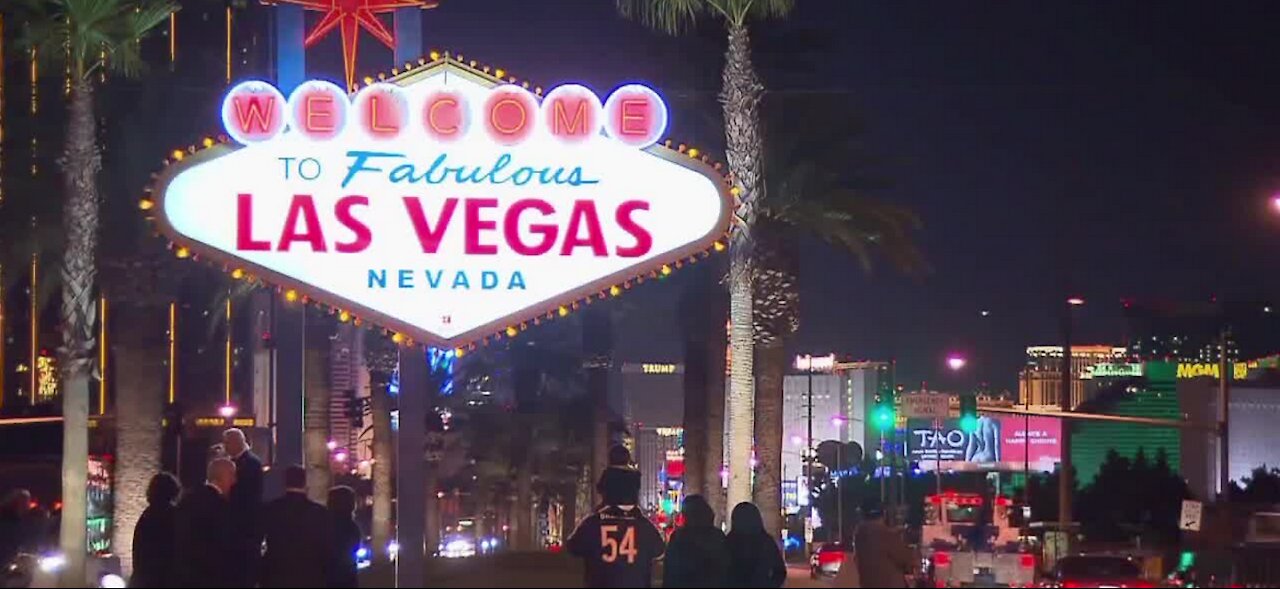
617, 543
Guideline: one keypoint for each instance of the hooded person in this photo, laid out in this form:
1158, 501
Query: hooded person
754, 557
698, 553
883, 558
619, 484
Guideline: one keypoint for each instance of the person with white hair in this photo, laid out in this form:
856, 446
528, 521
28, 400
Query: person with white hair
246, 506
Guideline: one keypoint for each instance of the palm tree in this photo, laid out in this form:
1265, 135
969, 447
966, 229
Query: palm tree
818, 187
139, 288
381, 358
740, 94
91, 35
317, 392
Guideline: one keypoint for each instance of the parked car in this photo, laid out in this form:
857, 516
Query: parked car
1097, 571
826, 560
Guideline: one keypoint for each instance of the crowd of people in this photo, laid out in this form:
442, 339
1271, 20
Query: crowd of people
619, 545
221, 534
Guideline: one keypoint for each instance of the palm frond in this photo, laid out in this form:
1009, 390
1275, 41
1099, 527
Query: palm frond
90, 34
822, 182
672, 17
742, 10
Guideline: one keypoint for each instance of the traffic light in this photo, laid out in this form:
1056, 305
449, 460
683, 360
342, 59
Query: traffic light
968, 413
884, 416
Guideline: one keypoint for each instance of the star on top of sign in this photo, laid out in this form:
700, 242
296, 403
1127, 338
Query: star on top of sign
349, 16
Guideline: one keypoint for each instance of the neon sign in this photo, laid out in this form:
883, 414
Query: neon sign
444, 205
1239, 370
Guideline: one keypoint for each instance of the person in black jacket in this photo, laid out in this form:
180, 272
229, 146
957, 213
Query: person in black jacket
619, 484
246, 506
754, 557
205, 536
698, 554
617, 543
156, 534
299, 537
346, 536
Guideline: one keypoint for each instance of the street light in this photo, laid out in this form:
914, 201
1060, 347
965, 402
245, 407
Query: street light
1075, 301
227, 411
1275, 202
956, 362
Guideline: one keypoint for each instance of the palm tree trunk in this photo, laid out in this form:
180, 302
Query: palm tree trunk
381, 359
432, 484
81, 161
740, 97
316, 394
768, 430
698, 328
383, 486
717, 352
140, 396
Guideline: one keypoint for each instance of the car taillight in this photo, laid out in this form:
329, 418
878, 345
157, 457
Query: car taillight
941, 559
1071, 585
1141, 585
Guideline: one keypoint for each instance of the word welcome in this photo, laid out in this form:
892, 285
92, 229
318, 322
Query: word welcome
255, 111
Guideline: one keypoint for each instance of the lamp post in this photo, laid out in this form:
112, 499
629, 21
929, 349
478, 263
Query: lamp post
1065, 479
839, 422
955, 363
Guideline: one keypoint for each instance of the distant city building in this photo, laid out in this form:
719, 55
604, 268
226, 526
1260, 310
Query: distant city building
842, 395
660, 458
1040, 382
651, 393
1254, 412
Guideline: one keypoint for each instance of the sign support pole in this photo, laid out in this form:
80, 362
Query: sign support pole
291, 55
408, 31
411, 462
287, 337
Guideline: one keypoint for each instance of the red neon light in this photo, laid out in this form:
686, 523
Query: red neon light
349, 16
941, 559
1027, 561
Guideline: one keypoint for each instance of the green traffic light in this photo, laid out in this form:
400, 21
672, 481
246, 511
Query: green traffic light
884, 417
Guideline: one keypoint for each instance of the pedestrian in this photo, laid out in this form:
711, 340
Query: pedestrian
617, 543
155, 536
698, 553
246, 505
754, 557
21, 530
206, 540
619, 484
883, 557
346, 537
299, 537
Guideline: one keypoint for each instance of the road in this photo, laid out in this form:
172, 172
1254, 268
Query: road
530, 570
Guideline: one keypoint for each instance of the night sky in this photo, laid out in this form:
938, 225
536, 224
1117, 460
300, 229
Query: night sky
1122, 148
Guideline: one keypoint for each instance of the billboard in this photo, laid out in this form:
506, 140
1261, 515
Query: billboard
1001, 442
449, 206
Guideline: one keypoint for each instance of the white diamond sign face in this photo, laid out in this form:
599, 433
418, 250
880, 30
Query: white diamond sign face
446, 208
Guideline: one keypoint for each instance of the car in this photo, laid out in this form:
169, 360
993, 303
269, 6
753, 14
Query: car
826, 560
1098, 571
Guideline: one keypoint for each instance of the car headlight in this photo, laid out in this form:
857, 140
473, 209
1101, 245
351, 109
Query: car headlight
52, 563
111, 581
